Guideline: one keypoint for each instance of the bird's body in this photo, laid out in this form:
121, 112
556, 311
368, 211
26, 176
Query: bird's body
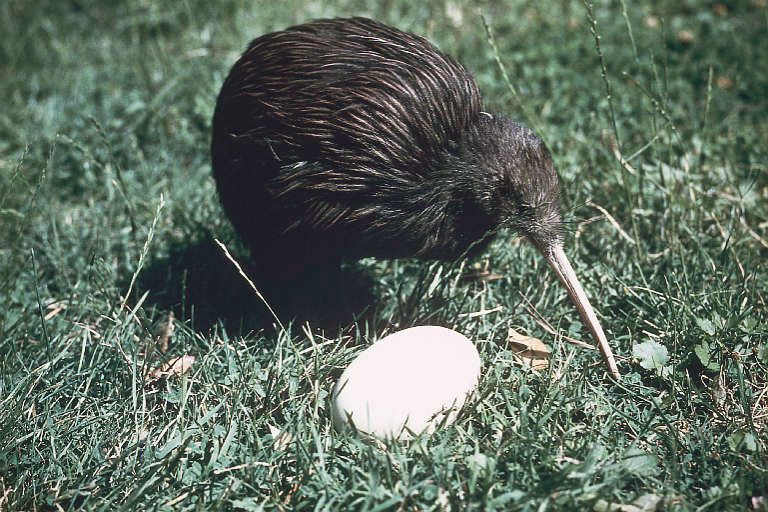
345, 138
340, 139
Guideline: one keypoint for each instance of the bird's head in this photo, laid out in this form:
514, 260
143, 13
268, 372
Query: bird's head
517, 184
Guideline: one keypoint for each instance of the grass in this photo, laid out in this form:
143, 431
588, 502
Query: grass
655, 112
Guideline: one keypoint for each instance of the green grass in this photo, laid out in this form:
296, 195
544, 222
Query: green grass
106, 109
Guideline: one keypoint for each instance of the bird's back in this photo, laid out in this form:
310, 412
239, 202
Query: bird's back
318, 128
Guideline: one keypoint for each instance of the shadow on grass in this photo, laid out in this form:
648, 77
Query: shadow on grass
198, 283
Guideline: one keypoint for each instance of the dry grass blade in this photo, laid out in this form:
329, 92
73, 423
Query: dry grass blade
613, 221
484, 276
164, 331
544, 324
753, 233
54, 308
482, 312
250, 282
145, 249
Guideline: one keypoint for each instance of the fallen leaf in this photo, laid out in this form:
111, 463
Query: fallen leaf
720, 9
724, 82
652, 22
686, 36
531, 350
281, 439
177, 366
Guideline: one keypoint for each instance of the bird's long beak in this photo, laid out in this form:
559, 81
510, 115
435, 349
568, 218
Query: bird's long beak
558, 261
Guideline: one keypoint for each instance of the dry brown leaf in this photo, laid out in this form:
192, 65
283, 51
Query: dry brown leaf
177, 366
724, 82
281, 439
529, 349
686, 36
652, 21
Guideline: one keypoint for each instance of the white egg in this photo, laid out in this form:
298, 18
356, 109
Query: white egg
409, 382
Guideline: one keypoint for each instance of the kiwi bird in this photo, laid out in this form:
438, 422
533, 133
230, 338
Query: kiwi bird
345, 138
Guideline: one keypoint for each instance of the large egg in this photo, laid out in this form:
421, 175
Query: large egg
407, 383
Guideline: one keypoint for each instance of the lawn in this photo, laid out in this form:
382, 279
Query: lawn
655, 113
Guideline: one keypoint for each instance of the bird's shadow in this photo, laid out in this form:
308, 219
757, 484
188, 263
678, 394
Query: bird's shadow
199, 284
